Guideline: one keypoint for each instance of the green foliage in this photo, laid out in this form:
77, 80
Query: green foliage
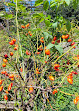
46, 35
59, 48
50, 46
41, 25
68, 25
38, 2
8, 16
67, 2
55, 25
46, 5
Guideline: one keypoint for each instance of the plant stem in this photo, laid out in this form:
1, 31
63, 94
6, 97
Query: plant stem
65, 93
63, 54
19, 44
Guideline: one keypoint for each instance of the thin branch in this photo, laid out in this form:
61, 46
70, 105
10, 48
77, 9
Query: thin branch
19, 72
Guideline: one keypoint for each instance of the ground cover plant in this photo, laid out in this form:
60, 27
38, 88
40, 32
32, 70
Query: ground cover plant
40, 57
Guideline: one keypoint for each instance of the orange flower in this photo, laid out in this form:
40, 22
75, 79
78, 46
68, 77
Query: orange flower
40, 48
58, 41
55, 91
11, 75
56, 67
70, 80
14, 40
66, 36
12, 79
5, 60
42, 37
77, 98
1, 88
31, 89
45, 62
22, 26
5, 97
11, 43
37, 71
53, 42
27, 52
63, 36
21, 69
69, 40
6, 92
15, 48
55, 38
72, 43
42, 41
75, 101
3, 72
27, 25
51, 78
9, 87
3, 65
11, 53
29, 32
38, 53
47, 52
1, 82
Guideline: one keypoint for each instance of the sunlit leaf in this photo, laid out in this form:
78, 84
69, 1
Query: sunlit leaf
67, 2
38, 2
50, 45
59, 48
46, 5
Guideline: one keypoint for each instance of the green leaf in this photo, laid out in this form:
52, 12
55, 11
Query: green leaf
36, 29
12, 4
50, 36
75, 3
10, 16
55, 24
50, 45
68, 25
21, 7
59, 48
38, 2
36, 15
39, 17
49, 17
46, 5
45, 35
78, 105
47, 22
41, 20
53, 4
67, 2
